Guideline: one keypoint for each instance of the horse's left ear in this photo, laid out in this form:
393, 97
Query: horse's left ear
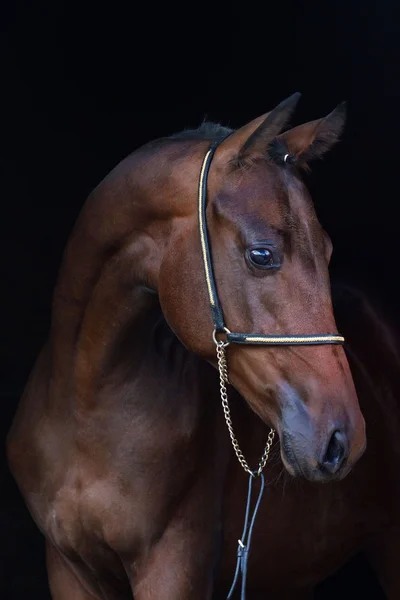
311, 140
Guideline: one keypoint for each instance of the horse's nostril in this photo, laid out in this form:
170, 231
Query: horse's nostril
335, 452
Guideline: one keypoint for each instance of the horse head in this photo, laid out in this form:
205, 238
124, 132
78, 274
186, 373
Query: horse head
270, 256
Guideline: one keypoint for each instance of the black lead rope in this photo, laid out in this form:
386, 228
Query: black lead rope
243, 550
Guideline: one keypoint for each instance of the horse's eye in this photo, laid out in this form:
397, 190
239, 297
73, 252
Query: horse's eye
262, 258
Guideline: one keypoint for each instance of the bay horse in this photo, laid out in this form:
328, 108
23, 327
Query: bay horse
119, 444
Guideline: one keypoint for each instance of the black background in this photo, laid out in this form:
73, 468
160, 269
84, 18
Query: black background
83, 85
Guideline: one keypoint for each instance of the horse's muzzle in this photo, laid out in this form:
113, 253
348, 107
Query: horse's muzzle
333, 463
319, 453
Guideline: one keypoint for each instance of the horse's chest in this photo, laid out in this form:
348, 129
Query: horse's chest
302, 533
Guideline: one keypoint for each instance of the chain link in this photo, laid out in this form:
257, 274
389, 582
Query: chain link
223, 380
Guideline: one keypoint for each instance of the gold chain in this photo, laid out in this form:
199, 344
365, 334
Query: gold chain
223, 380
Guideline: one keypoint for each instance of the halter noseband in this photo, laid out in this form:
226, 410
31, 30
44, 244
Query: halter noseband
216, 309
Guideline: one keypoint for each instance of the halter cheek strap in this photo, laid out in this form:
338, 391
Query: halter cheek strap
216, 308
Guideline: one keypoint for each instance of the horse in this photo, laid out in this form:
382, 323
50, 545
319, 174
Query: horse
119, 445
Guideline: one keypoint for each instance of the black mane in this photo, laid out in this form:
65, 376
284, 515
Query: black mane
206, 131
211, 131
214, 131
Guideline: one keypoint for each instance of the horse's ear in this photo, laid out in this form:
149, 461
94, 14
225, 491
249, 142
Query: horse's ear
254, 137
311, 140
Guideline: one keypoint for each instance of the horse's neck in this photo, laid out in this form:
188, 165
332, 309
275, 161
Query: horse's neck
103, 288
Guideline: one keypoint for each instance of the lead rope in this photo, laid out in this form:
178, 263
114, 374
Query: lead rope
244, 544
244, 547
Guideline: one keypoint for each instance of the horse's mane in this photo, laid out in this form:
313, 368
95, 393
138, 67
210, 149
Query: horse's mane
207, 130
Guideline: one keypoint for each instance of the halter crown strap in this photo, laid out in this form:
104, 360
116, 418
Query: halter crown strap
216, 308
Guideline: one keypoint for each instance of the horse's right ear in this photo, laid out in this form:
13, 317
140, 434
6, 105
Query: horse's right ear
254, 137
310, 140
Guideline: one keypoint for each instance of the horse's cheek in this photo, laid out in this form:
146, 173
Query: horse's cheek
183, 302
